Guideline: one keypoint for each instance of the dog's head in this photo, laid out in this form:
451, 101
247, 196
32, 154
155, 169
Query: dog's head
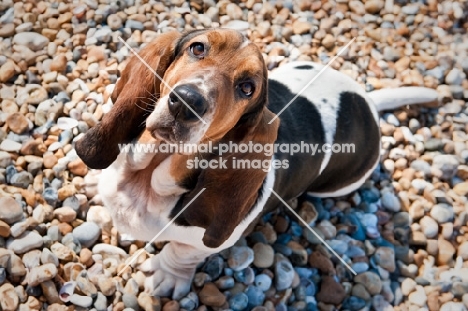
205, 84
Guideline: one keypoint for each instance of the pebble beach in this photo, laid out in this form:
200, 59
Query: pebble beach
404, 232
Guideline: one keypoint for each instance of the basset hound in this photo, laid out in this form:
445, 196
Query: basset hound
216, 88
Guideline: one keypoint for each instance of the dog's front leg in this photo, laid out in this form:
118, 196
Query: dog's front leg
172, 270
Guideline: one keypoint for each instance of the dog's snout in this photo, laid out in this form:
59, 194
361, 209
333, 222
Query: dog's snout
184, 100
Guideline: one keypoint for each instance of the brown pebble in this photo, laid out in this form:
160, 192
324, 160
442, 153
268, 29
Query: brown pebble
171, 306
86, 257
17, 122
65, 228
211, 296
321, 262
4, 229
331, 292
50, 160
77, 167
59, 63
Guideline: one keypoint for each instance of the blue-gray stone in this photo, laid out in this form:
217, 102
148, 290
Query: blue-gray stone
296, 229
310, 289
360, 267
22, 179
50, 195
188, 303
283, 238
53, 233
257, 237
263, 282
300, 293
214, 266
370, 195
134, 25
281, 307
10, 171
72, 202
353, 303
351, 219
305, 273
282, 249
255, 296
87, 234
284, 274
239, 276
240, 257
249, 276
65, 137
238, 302
225, 282
35, 291
2, 275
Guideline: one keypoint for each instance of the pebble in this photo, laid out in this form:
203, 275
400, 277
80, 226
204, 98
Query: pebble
263, 282
418, 297
331, 292
65, 214
32, 40
11, 210
429, 227
447, 164
353, 303
240, 257
284, 275
390, 202
238, 302
255, 296
17, 122
10, 145
27, 241
9, 299
87, 234
41, 274
211, 296
442, 213
81, 301
263, 255
371, 282
22, 179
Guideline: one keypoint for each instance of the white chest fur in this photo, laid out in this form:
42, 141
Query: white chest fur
142, 210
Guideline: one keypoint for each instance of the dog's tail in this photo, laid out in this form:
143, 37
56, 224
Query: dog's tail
389, 99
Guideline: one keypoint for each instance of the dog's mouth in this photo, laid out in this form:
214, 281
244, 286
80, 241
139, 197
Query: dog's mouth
164, 133
171, 133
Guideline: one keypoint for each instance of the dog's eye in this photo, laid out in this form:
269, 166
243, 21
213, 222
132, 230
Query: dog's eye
197, 49
247, 88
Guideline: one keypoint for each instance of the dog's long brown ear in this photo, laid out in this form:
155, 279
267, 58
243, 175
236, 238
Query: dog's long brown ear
231, 193
99, 147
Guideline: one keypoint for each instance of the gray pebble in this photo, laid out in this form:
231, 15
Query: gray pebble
87, 234
284, 275
442, 213
22, 179
81, 301
26, 242
130, 301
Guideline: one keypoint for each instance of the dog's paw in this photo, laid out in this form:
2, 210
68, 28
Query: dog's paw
165, 278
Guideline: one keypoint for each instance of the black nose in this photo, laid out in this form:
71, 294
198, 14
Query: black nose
184, 100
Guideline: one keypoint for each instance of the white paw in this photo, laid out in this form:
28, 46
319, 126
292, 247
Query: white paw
166, 279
